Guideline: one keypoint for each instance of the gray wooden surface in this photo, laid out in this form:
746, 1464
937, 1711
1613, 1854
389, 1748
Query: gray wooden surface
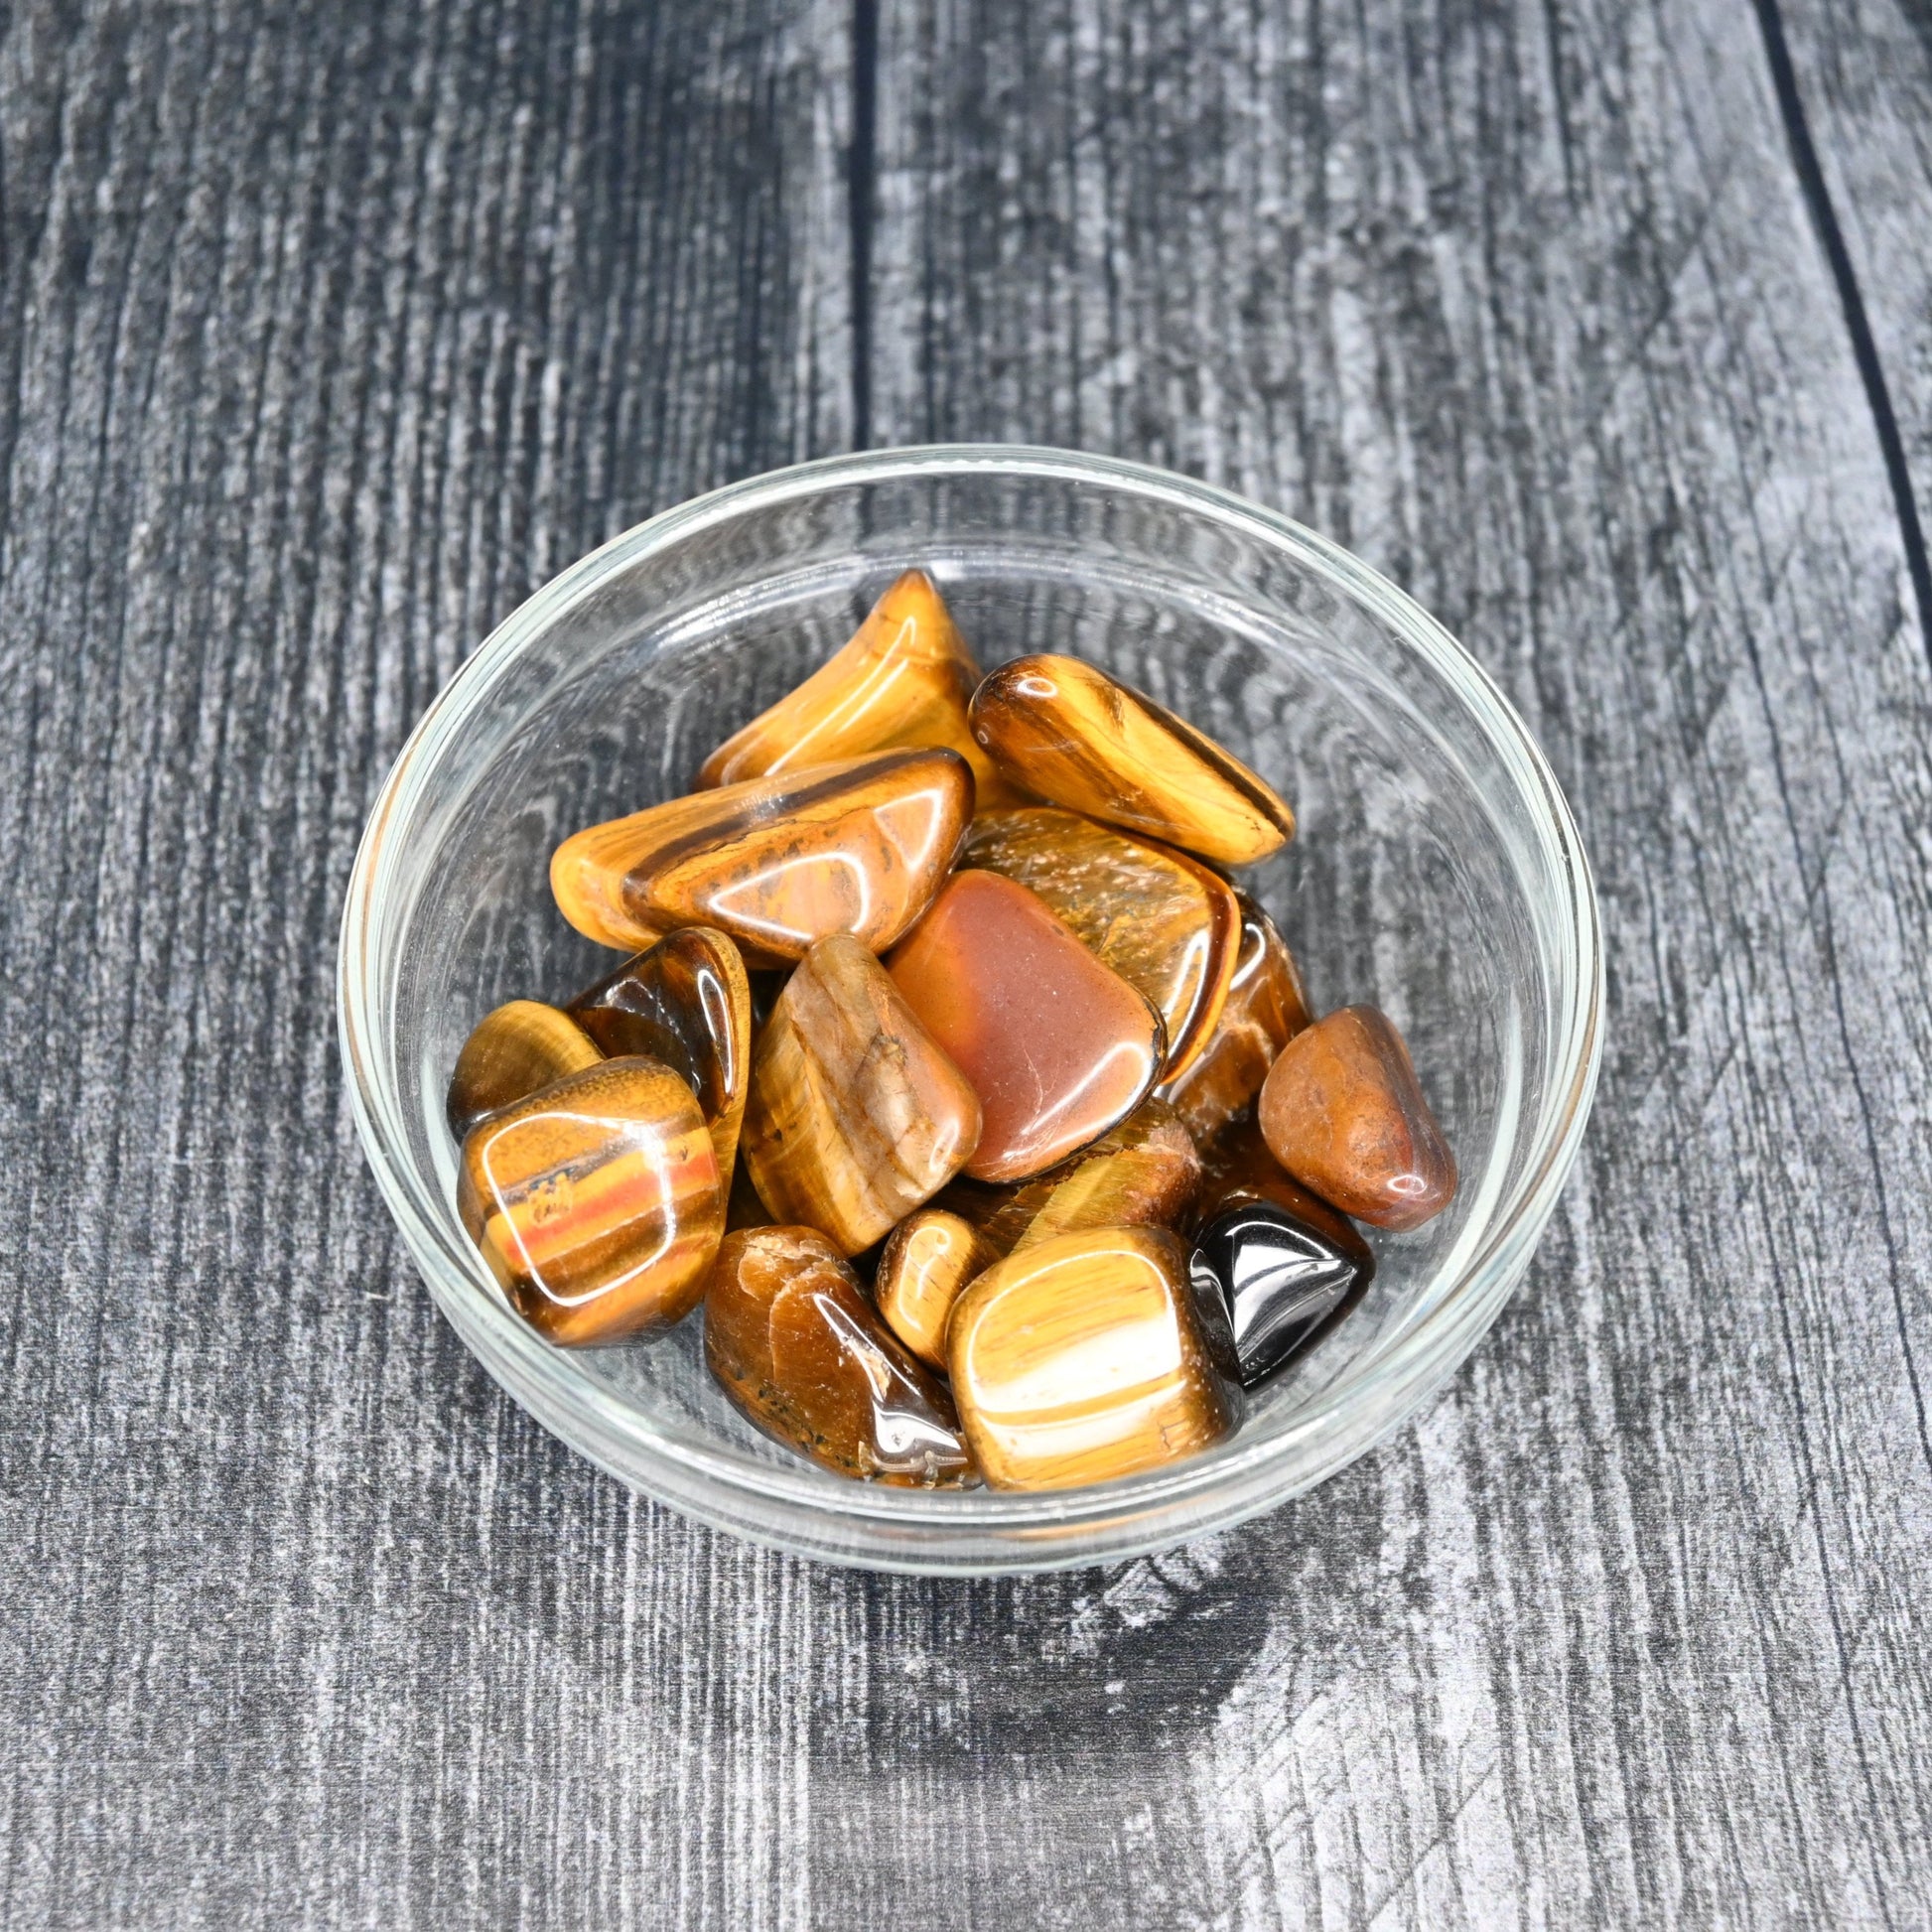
328, 331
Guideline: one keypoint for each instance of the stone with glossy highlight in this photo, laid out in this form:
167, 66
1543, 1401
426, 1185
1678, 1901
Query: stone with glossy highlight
596, 1200
904, 680
513, 1049
928, 1260
1055, 1043
859, 846
686, 1001
1164, 921
792, 1340
1083, 1359
1068, 731
1343, 1112
1265, 1009
856, 1115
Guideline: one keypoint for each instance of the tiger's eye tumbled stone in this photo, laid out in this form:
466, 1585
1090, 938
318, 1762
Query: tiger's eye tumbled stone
928, 1259
596, 1201
1163, 920
1057, 1044
792, 1340
1343, 1113
1069, 732
856, 1114
859, 846
1265, 1283
904, 680
1265, 1009
513, 1049
1142, 1173
1081, 1358
686, 1001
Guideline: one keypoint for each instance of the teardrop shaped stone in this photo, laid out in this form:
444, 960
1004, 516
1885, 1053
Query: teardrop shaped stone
1081, 1359
927, 1263
1069, 732
1342, 1111
859, 846
856, 1115
596, 1201
1142, 1173
792, 1340
904, 680
1057, 1044
1265, 1009
512, 1051
686, 1001
1164, 921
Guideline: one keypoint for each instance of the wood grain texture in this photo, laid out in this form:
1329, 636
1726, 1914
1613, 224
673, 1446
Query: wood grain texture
327, 333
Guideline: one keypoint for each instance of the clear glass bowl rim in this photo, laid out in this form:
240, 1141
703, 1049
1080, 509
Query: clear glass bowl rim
909, 1530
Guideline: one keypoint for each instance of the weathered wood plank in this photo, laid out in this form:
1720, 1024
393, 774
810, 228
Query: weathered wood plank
1858, 102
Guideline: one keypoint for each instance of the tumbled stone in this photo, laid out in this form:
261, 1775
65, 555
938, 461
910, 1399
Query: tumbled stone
596, 1200
1267, 1285
1265, 1009
1057, 1044
1069, 732
856, 1115
512, 1051
1081, 1359
1343, 1113
928, 1260
903, 681
1142, 1173
686, 1001
792, 1340
859, 846
1163, 920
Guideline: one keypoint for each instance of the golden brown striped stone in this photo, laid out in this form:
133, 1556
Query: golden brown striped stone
928, 1260
859, 846
1164, 921
686, 1001
792, 1340
1070, 732
856, 1114
1343, 1113
1081, 1359
904, 680
513, 1049
1057, 1044
1265, 1009
1144, 1173
596, 1201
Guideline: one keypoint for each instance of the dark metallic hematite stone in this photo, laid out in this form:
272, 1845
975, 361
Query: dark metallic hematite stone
1265, 1281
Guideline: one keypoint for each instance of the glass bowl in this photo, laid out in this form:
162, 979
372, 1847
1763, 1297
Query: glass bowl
1438, 873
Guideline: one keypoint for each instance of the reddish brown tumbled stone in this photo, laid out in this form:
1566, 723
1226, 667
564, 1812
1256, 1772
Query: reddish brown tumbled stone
1342, 1111
1057, 1046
